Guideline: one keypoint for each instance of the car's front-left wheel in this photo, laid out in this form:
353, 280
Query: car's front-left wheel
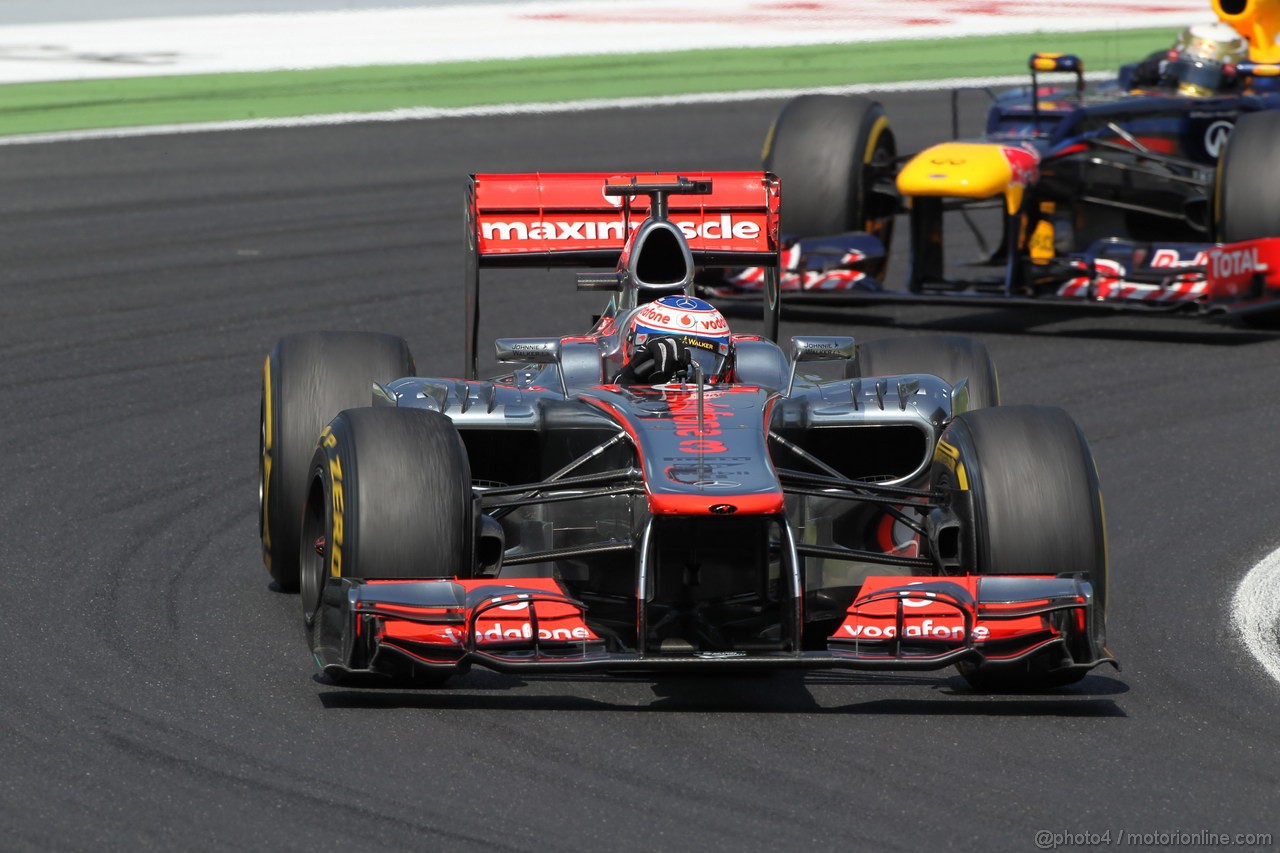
306, 380
1037, 510
835, 156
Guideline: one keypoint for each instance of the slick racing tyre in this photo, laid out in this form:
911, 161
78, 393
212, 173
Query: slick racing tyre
307, 379
949, 357
830, 151
1037, 509
389, 498
1249, 180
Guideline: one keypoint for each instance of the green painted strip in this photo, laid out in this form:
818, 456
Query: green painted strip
130, 102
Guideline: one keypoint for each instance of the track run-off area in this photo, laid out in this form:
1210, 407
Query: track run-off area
160, 693
141, 63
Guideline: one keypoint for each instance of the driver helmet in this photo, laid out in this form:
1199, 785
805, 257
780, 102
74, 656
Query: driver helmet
1203, 59
693, 322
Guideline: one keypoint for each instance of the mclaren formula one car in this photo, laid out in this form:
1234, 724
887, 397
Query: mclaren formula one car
742, 511
1134, 194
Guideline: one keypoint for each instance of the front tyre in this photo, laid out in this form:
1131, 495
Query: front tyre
306, 380
835, 156
1249, 180
1037, 509
389, 498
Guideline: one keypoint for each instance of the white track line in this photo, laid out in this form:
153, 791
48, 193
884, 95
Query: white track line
449, 33
426, 113
1256, 613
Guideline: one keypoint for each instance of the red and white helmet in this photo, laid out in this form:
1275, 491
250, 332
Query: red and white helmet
693, 322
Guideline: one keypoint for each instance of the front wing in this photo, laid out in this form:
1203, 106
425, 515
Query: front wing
534, 625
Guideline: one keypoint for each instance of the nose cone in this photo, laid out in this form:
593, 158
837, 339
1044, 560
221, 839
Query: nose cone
970, 170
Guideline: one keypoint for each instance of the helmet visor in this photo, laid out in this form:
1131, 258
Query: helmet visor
711, 361
710, 354
1196, 76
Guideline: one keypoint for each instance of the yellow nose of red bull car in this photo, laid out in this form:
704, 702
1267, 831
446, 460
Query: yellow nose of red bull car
970, 170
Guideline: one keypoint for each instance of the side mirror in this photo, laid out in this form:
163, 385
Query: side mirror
1067, 62
1258, 69
824, 348
818, 348
528, 350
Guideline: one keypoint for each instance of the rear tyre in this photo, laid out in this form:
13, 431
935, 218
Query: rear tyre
949, 357
389, 499
829, 151
307, 379
1037, 510
1249, 180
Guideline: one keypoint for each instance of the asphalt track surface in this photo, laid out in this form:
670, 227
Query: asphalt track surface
157, 693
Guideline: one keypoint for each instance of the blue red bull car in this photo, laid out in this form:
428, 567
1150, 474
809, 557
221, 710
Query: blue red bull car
745, 508
1130, 195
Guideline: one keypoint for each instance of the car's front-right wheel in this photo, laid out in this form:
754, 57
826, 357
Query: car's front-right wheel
1248, 181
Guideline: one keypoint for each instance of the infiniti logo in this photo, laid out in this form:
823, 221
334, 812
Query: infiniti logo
1215, 138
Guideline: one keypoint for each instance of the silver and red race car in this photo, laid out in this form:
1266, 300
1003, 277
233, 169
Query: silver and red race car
835, 505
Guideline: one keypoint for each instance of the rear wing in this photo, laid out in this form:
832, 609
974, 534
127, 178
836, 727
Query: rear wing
568, 219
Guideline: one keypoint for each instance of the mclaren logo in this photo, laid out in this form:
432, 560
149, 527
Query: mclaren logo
723, 509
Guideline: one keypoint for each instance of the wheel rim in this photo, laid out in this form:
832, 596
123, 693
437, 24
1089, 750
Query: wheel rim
311, 561
878, 159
